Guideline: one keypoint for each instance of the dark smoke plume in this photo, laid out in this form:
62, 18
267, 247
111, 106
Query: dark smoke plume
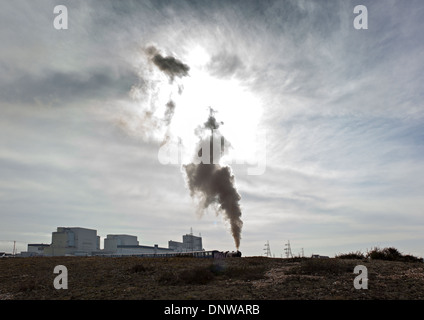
169, 65
172, 68
169, 112
214, 184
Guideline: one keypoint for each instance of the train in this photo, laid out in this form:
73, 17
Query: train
213, 254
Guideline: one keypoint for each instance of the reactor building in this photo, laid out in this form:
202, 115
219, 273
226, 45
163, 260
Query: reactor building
77, 241
73, 241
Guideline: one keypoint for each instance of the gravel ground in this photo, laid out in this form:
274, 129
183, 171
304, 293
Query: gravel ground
249, 278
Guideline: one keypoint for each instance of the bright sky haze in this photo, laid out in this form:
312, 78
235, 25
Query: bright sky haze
82, 121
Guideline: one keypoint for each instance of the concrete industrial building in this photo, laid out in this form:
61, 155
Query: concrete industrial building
73, 241
76, 241
112, 241
123, 244
190, 243
35, 249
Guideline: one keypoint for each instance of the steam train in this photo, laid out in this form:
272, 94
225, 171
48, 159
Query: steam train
214, 254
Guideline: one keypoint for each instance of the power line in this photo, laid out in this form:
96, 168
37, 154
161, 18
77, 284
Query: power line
15, 245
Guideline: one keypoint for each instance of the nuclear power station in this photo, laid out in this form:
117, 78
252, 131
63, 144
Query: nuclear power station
72, 241
76, 241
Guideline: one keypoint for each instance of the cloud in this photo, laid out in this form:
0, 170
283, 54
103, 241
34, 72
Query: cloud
58, 88
225, 64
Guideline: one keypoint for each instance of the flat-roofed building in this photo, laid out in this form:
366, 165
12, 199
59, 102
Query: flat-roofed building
35, 249
112, 241
190, 243
73, 241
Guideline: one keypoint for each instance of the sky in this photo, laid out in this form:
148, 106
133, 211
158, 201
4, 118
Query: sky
333, 115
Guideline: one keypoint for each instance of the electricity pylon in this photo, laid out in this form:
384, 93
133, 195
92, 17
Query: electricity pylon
288, 251
267, 249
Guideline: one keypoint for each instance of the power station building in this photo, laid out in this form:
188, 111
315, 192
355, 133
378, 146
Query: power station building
76, 241
123, 244
112, 241
190, 243
34, 250
73, 241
